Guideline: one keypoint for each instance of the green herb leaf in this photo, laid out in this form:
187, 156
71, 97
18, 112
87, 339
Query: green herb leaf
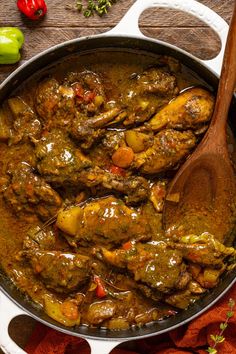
211, 350
223, 326
79, 6
219, 339
230, 314
231, 303
99, 7
213, 337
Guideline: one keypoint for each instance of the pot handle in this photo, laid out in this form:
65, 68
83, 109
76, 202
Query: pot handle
129, 23
102, 346
8, 311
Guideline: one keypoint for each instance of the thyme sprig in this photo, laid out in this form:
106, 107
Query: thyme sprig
99, 7
219, 338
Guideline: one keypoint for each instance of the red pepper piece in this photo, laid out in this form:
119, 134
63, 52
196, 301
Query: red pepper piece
33, 9
117, 170
89, 96
100, 289
127, 245
79, 91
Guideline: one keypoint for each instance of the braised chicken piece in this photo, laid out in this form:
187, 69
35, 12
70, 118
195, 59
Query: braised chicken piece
116, 302
169, 148
153, 264
147, 92
157, 81
140, 109
90, 130
134, 188
182, 299
206, 256
121, 310
58, 104
25, 123
59, 160
203, 249
29, 193
157, 153
55, 103
190, 110
148, 153
62, 272
107, 221
89, 90
41, 238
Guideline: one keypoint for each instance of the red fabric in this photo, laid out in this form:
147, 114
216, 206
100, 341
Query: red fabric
191, 338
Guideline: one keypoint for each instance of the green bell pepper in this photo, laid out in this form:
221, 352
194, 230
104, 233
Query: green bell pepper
11, 40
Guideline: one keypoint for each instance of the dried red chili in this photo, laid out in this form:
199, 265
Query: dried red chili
33, 9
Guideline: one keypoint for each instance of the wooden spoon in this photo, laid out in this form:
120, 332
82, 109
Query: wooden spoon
201, 196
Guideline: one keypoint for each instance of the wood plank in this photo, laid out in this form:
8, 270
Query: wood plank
201, 41
170, 18
198, 41
58, 16
205, 48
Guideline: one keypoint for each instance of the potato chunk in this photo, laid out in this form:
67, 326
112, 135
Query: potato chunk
54, 309
67, 220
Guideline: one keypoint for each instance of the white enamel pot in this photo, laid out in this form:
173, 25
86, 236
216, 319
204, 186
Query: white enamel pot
126, 35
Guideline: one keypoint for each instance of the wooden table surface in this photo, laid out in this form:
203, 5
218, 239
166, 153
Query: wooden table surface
61, 24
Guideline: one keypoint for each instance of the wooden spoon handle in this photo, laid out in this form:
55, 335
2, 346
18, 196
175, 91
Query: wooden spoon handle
228, 80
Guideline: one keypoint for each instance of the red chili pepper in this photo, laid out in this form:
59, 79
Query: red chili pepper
117, 170
33, 9
100, 289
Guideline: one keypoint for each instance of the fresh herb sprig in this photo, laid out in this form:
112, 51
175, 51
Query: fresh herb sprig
99, 7
219, 338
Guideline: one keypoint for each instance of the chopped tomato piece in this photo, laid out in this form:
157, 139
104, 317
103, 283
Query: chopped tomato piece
117, 170
127, 245
89, 96
100, 289
79, 91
